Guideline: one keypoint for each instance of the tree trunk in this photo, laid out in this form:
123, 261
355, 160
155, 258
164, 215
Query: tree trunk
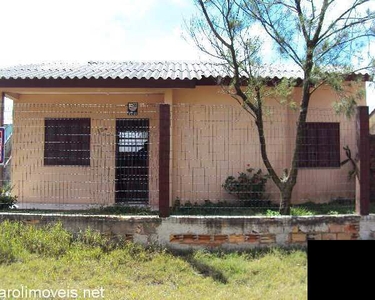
286, 190
286, 197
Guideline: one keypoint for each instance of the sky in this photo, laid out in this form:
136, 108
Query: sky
81, 30
84, 30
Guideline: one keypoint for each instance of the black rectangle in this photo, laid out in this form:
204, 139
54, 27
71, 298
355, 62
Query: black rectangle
339, 269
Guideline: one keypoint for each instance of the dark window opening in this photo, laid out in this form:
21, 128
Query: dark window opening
67, 142
320, 146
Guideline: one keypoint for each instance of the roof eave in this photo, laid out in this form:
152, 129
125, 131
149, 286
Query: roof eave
140, 83
97, 83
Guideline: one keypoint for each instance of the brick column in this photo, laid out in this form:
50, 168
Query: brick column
164, 158
363, 179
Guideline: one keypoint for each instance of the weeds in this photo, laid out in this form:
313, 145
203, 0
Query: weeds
52, 257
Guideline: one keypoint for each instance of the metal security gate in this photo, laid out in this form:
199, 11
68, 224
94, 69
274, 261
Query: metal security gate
132, 161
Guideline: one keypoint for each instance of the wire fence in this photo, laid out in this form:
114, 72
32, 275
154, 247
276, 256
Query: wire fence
78, 156
217, 159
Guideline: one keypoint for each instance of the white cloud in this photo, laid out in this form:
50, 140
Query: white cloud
182, 3
40, 30
170, 47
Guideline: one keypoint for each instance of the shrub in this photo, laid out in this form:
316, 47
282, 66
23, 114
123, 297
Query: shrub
11, 248
95, 239
52, 240
7, 200
272, 213
248, 186
301, 211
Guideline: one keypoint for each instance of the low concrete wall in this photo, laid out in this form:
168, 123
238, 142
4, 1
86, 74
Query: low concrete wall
192, 232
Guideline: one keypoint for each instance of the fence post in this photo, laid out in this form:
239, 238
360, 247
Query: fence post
164, 157
2, 102
363, 179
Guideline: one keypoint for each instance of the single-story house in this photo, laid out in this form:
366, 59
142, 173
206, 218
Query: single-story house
89, 134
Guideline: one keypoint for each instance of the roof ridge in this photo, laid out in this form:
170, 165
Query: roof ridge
92, 62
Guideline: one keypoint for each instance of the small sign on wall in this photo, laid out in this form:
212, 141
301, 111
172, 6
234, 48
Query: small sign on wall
2, 148
132, 108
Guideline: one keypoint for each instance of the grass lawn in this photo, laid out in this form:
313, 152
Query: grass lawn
51, 258
307, 209
210, 208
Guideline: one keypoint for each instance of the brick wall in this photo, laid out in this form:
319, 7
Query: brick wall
250, 232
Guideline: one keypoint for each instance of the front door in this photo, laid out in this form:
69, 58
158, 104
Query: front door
132, 149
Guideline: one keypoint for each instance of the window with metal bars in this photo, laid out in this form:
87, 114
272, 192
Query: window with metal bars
67, 142
320, 146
